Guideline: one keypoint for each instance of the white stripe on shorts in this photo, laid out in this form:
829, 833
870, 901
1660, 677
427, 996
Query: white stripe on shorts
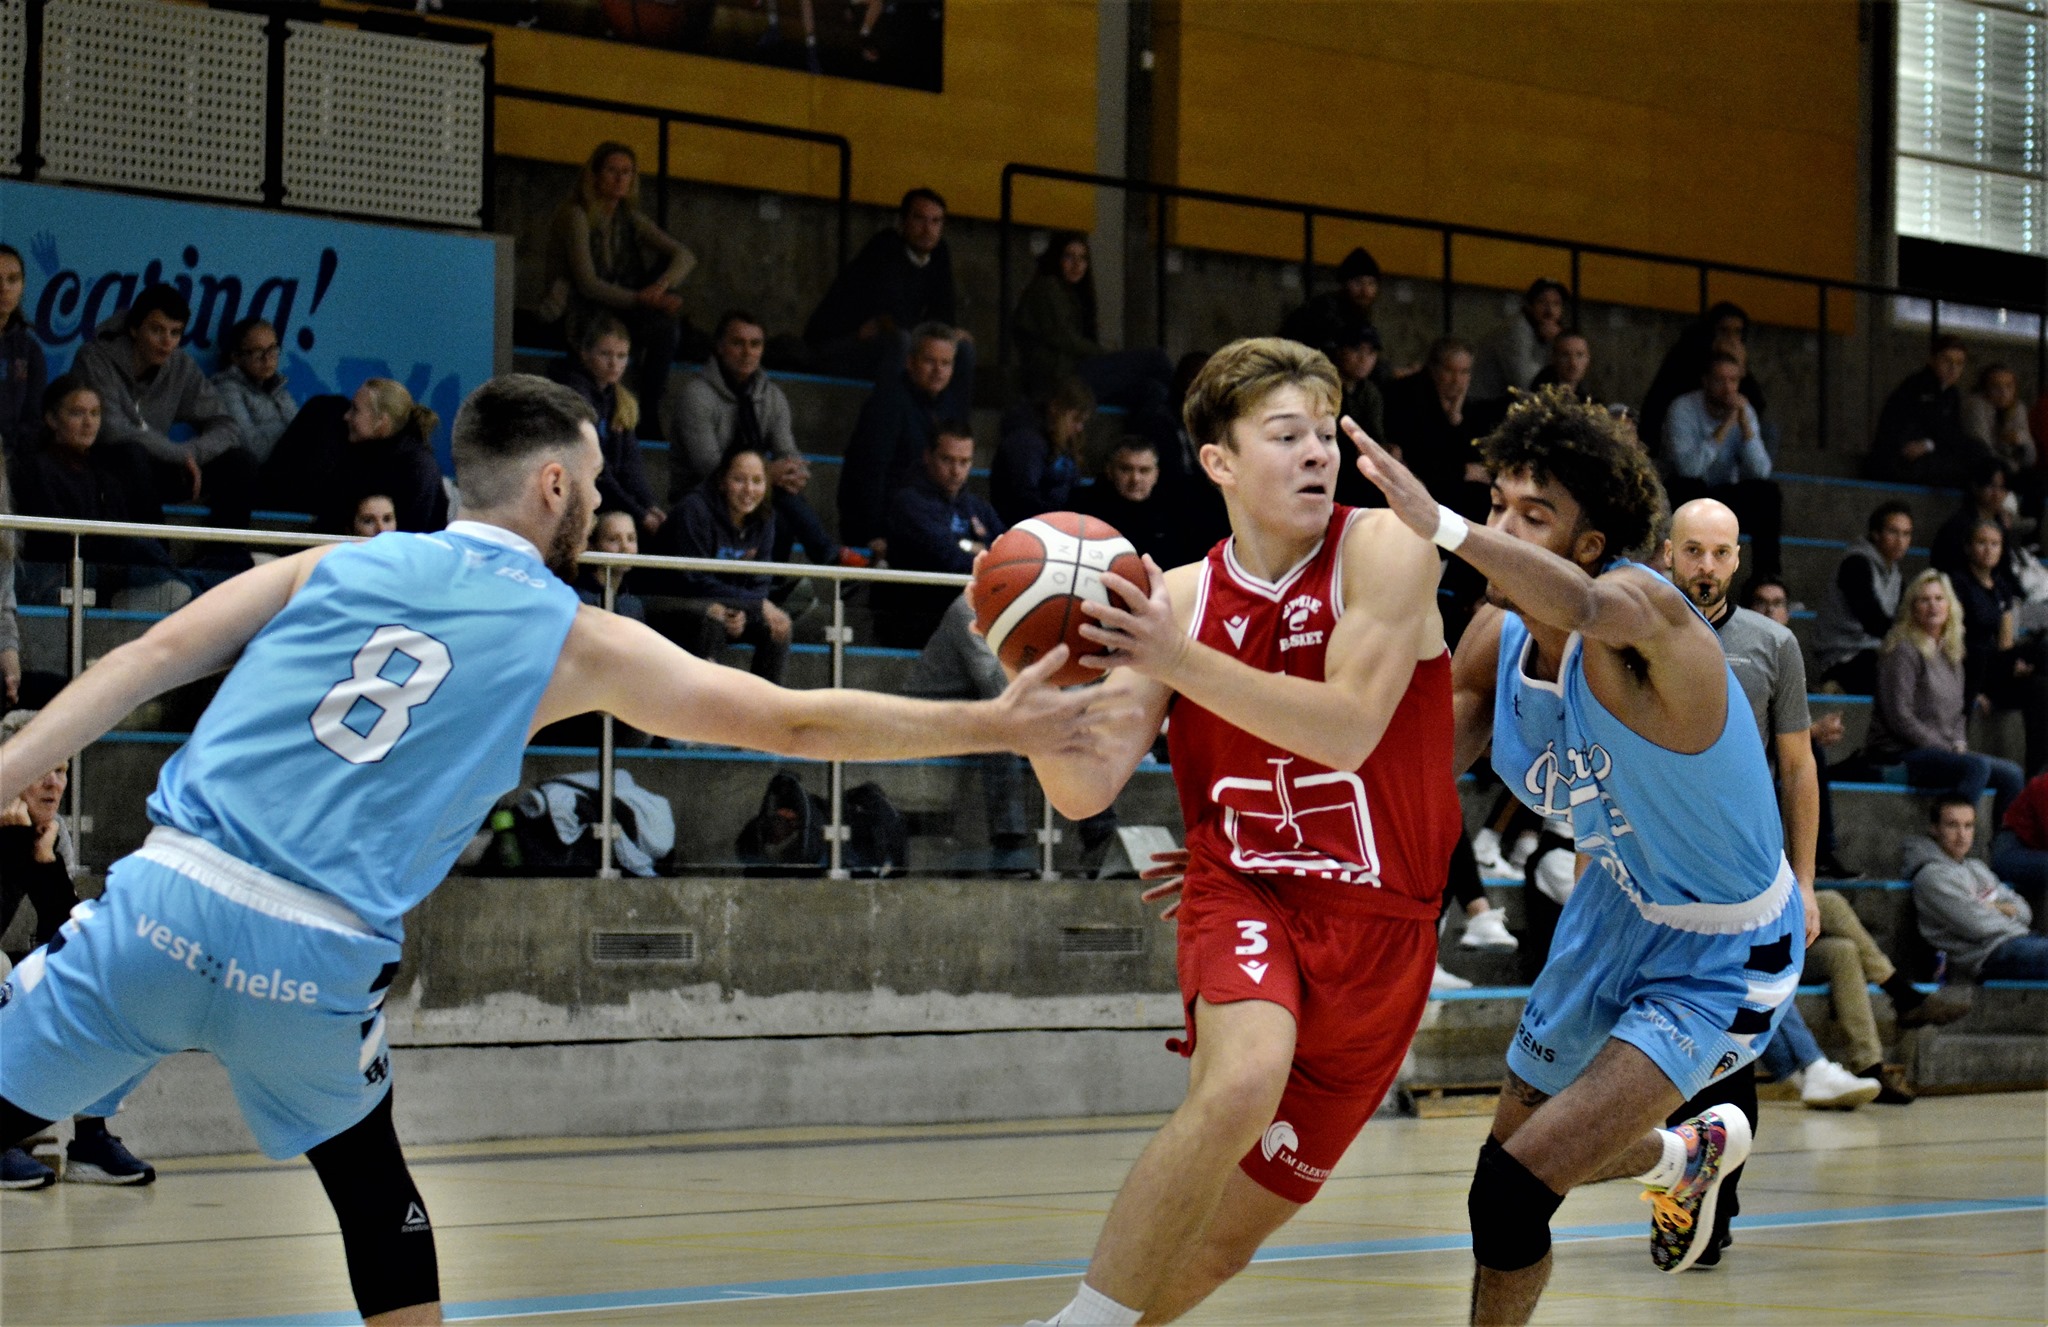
235, 880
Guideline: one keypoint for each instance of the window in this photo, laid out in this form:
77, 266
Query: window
1972, 133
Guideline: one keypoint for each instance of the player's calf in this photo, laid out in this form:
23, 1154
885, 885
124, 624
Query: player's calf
384, 1227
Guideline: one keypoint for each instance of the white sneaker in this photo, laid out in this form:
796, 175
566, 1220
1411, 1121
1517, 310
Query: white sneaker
1525, 844
1825, 1085
1486, 851
1488, 930
1448, 981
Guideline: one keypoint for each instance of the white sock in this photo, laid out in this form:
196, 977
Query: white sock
1667, 1171
1092, 1308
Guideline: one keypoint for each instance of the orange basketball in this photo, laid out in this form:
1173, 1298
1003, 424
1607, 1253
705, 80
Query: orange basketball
1028, 594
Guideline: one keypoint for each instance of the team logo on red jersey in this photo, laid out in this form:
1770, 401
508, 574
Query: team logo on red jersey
1269, 823
1300, 611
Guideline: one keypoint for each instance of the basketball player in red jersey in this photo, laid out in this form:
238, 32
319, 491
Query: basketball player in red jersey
1303, 666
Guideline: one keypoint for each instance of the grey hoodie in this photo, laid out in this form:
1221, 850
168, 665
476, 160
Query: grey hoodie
142, 412
698, 419
1838, 634
1956, 905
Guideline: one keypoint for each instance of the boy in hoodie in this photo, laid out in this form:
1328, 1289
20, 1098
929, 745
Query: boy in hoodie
1967, 910
1862, 601
147, 385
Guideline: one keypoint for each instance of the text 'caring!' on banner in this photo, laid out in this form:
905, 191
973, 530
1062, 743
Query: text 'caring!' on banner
350, 301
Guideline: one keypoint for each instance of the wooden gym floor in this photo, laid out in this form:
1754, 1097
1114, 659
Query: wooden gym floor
1930, 1213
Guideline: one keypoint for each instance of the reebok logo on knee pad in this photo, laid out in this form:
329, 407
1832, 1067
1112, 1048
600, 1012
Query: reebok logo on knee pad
415, 1219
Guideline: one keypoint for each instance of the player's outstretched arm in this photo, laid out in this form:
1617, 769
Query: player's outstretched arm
1474, 678
614, 664
1083, 783
198, 640
1384, 632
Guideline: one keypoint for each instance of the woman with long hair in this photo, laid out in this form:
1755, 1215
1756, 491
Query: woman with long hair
340, 449
23, 371
1921, 710
1056, 335
728, 517
1039, 460
606, 255
594, 370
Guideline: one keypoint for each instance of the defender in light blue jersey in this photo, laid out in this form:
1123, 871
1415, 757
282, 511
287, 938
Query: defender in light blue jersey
1608, 701
380, 699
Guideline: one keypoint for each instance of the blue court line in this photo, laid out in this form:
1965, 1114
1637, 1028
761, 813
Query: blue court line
993, 1273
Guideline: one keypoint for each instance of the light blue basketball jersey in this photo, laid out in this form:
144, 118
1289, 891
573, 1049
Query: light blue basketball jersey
367, 729
1693, 841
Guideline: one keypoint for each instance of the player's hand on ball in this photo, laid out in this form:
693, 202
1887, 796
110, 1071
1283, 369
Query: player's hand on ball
1142, 634
1406, 495
1170, 870
1039, 719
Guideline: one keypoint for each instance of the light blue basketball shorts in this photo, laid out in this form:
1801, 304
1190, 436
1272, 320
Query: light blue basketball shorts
1698, 1004
191, 949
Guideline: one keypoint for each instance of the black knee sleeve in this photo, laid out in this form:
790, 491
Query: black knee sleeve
384, 1226
17, 1124
1510, 1211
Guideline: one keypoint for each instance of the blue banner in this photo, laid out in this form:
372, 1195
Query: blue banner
350, 301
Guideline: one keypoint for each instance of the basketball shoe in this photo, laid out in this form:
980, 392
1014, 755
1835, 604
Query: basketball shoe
1716, 1142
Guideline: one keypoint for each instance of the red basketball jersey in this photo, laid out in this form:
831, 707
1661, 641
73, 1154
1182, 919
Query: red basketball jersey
1255, 809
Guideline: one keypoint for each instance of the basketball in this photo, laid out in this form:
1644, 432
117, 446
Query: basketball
1029, 592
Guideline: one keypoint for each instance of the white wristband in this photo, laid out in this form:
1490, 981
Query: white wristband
1451, 529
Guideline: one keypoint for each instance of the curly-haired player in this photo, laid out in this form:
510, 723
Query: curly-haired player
1608, 700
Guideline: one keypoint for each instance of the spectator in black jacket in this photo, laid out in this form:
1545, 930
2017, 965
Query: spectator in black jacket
1920, 434
23, 372
1356, 353
1038, 461
79, 475
340, 449
1862, 600
1130, 497
935, 524
1435, 423
728, 518
1057, 336
1686, 361
595, 370
1987, 499
900, 279
1339, 313
895, 428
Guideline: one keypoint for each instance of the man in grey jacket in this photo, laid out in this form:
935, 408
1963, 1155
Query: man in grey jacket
728, 400
1862, 601
1967, 910
147, 385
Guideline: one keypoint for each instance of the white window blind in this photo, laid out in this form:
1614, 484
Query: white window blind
1972, 135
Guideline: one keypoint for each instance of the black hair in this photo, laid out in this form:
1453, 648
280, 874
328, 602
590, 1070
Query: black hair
1443, 348
159, 299
232, 342
1945, 342
731, 316
1945, 801
1988, 468
1757, 583
1084, 289
1544, 283
1552, 435
62, 388
504, 424
1883, 512
1725, 309
1719, 357
928, 195
1359, 262
1135, 442
9, 251
950, 427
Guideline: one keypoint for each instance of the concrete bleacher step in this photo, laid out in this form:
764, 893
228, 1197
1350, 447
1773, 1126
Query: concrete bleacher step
1825, 506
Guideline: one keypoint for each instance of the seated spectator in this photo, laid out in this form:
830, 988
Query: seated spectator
595, 370
1794, 1057
934, 524
1862, 600
1571, 359
77, 474
1520, 349
2001, 670
1767, 596
1686, 361
36, 864
901, 280
726, 402
375, 513
1435, 420
1988, 498
147, 386
1039, 459
1919, 718
23, 371
1130, 497
894, 431
727, 517
340, 449
1851, 962
1057, 338
797, 525
1920, 434
251, 389
1714, 448
616, 531
605, 255
1964, 909
1992, 415
1356, 353
10, 621
2019, 851
1328, 318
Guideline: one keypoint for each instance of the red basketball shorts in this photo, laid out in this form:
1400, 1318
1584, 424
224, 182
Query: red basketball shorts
1350, 963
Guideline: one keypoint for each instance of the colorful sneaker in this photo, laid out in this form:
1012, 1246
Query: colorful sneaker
1716, 1142
19, 1170
100, 1159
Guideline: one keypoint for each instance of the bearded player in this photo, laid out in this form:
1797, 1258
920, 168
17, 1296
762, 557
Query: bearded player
1303, 666
1608, 701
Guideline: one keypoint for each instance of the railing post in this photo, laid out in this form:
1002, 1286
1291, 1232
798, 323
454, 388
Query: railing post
273, 113
1703, 289
1048, 837
1820, 374
1159, 269
835, 832
1933, 320
77, 625
845, 198
607, 866
661, 170
1448, 288
1308, 253
32, 90
1577, 318
1002, 279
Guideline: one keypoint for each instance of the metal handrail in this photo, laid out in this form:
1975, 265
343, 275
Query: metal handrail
664, 116
1450, 230
838, 637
